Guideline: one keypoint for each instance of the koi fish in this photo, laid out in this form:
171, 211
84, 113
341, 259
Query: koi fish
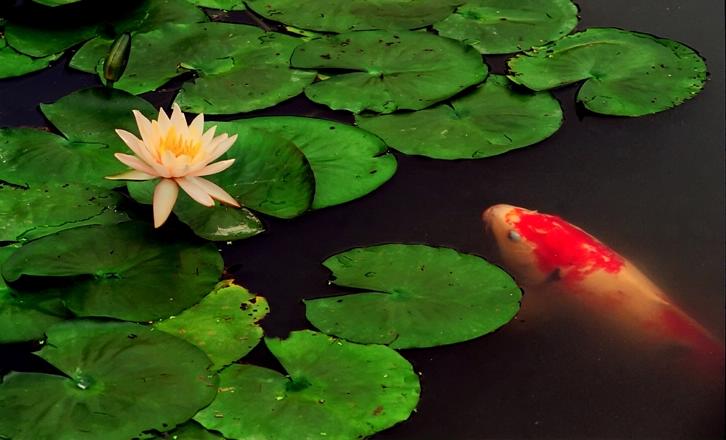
544, 253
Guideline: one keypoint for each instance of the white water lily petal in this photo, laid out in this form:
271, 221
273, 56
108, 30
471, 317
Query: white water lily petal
214, 190
195, 191
132, 175
178, 121
134, 162
149, 136
196, 128
213, 168
163, 121
165, 195
135, 144
221, 148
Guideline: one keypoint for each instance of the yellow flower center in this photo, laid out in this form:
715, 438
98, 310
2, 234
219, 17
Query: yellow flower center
178, 145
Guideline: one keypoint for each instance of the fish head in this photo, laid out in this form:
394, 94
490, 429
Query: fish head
536, 248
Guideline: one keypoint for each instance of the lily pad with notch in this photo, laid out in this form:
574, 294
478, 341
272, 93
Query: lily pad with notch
414, 296
335, 389
388, 70
118, 380
494, 118
625, 73
25, 319
502, 26
126, 271
14, 63
348, 163
30, 213
355, 15
225, 324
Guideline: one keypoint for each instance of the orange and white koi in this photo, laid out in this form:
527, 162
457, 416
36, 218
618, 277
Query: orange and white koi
545, 253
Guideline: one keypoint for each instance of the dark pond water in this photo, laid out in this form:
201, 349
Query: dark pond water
651, 187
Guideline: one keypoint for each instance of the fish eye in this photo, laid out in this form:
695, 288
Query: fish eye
514, 235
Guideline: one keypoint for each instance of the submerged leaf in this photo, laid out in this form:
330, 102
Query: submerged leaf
335, 390
120, 379
225, 324
626, 73
389, 70
355, 15
414, 296
126, 271
493, 119
25, 319
503, 26
347, 162
29, 213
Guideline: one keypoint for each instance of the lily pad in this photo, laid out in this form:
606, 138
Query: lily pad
126, 271
42, 41
348, 163
414, 296
626, 73
355, 15
261, 77
502, 26
56, 2
120, 379
188, 431
92, 115
29, 213
14, 63
388, 70
270, 175
210, 49
31, 157
335, 390
28, 318
225, 324
493, 119
227, 5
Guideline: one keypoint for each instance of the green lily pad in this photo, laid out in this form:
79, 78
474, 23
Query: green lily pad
261, 77
120, 379
626, 73
389, 71
89, 58
355, 15
414, 296
335, 390
210, 49
14, 63
25, 319
30, 213
501, 26
31, 157
493, 119
225, 324
126, 271
270, 175
92, 115
348, 163
56, 2
42, 41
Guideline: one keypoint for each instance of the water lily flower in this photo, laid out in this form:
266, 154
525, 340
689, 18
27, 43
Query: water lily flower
178, 154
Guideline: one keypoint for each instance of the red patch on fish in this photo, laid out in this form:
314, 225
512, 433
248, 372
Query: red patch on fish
560, 245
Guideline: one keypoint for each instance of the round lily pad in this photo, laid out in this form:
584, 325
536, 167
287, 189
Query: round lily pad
347, 162
493, 119
31, 157
227, 5
126, 271
29, 213
626, 73
414, 296
260, 78
335, 390
355, 15
120, 379
25, 319
92, 115
43, 40
388, 70
213, 49
14, 63
225, 324
270, 175
187, 431
502, 26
